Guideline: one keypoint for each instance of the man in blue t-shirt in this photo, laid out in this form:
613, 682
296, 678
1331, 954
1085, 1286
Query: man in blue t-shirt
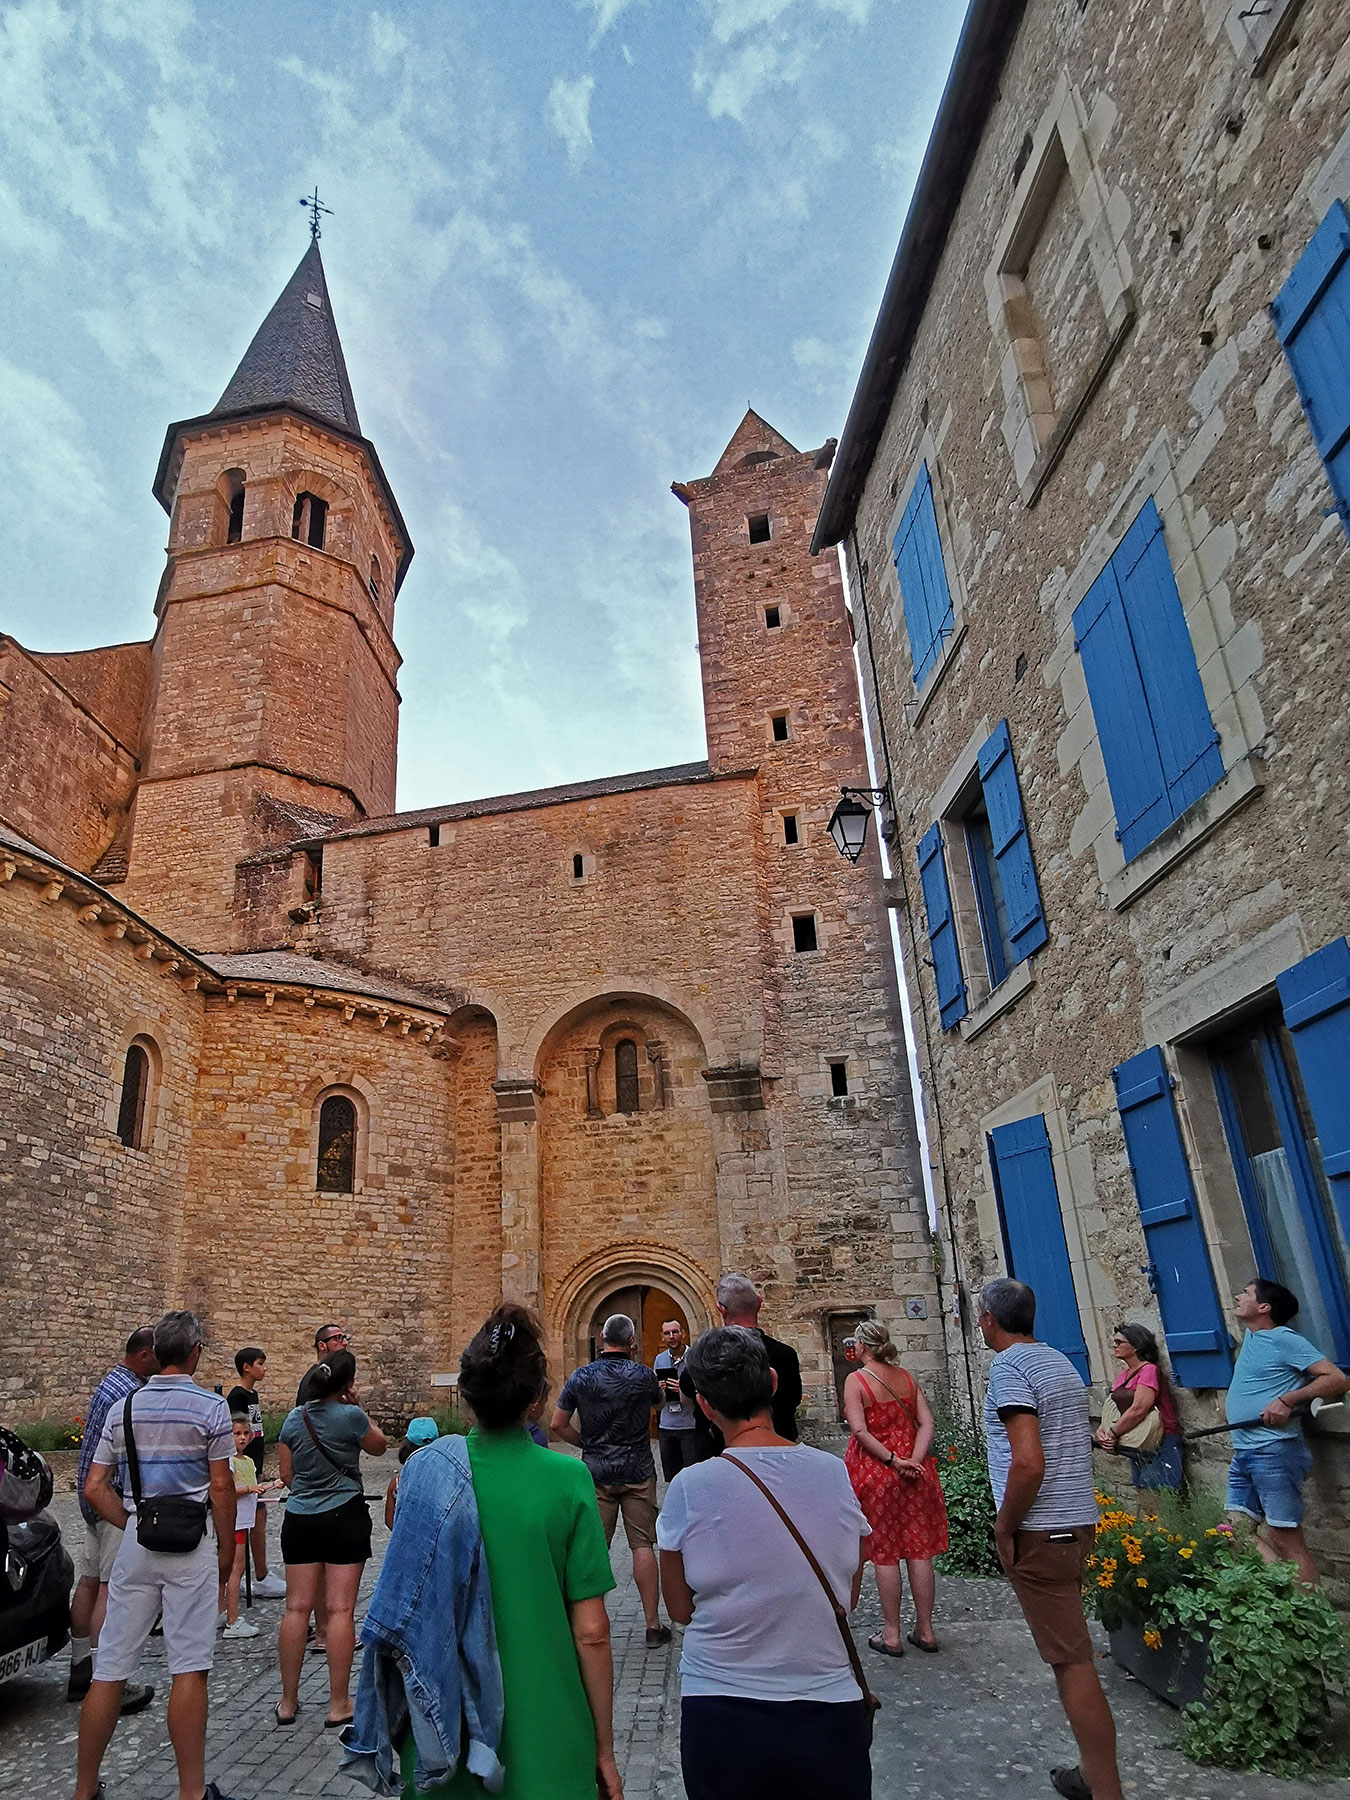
1271, 1460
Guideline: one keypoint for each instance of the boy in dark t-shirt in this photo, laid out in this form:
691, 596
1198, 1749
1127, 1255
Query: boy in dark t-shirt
251, 1363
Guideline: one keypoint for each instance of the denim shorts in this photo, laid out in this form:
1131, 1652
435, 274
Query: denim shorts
1266, 1481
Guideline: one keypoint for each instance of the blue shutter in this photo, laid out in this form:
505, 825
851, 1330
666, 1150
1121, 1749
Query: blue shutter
1012, 851
1158, 740
1180, 1272
1312, 321
1315, 995
923, 579
1188, 744
951, 990
1033, 1232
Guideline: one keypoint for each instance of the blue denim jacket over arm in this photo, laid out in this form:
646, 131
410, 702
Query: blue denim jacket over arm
431, 1649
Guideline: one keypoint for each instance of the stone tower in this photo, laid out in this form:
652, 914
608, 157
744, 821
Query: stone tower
781, 699
273, 711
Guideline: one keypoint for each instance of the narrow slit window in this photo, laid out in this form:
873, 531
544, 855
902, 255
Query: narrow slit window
375, 579
309, 520
336, 1173
790, 832
760, 532
234, 530
625, 1076
803, 932
773, 618
434, 836
838, 1078
135, 1092
779, 723
578, 866
313, 873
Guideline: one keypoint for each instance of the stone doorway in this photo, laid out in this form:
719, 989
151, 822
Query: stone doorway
647, 1306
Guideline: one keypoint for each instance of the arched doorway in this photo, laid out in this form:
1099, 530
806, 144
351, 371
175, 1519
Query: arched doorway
647, 1306
649, 1284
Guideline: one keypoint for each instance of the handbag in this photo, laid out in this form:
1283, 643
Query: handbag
871, 1703
328, 1456
1142, 1439
170, 1523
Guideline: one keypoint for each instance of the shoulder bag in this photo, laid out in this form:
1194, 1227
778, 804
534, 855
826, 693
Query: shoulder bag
1142, 1439
170, 1523
328, 1457
871, 1704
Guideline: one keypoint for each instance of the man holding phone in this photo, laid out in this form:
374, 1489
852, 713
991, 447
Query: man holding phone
680, 1443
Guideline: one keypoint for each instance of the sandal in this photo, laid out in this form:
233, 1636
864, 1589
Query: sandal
922, 1644
276, 1714
882, 1648
1070, 1783
337, 1724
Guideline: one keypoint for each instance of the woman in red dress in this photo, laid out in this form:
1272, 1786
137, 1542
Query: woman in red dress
894, 1475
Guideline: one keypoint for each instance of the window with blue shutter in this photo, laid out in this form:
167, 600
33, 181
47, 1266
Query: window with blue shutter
1153, 722
1179, 1270
1312, 321
937, 899
929, 615
1013, 867
1034, 1244
1315, 995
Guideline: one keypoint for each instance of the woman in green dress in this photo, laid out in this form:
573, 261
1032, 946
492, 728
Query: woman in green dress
549, 1569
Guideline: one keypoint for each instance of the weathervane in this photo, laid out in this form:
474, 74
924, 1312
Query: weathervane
316, 208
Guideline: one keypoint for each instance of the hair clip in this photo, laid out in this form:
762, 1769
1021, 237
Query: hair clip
325, 1371
498, 1335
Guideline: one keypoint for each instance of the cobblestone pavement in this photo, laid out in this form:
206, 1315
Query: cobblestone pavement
979, 1719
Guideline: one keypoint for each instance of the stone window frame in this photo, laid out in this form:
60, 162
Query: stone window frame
1075, 1182
587, 874
795, 810
926, 453
1035, 430
785, 934
141, 1034
361, 1100
1256, 44
1227, 655
947, 808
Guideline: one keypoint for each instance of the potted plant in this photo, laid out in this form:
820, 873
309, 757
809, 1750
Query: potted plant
1139, 1558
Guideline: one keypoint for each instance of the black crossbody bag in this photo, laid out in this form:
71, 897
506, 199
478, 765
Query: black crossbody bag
169, 1522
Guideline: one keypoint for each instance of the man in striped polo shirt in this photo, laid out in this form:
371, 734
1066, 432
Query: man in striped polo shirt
184, 1443
1039, 1438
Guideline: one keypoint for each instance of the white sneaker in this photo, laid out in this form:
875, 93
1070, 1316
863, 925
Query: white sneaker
271, 1587
240, 1629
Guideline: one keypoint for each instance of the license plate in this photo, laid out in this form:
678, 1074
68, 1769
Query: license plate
27, 1656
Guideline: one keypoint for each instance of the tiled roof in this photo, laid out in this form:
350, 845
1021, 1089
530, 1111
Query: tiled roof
678, 775
289, 970
296, 359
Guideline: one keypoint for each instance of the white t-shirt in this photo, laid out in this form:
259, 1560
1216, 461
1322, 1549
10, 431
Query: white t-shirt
762, 1627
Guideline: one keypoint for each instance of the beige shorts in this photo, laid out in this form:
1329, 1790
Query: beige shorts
1047, 1577
101, 1544
637, 1503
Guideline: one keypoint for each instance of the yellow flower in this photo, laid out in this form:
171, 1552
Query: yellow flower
1186, 1553
1153, 1639
1107, 1580
1139, 1581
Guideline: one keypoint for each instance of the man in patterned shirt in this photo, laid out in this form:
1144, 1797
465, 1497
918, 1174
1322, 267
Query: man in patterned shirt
101, 1538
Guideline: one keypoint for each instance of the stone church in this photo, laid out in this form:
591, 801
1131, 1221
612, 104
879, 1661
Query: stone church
272, 1050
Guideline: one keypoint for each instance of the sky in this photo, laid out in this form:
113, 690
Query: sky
571, 241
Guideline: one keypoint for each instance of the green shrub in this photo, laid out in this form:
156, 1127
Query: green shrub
52, 1434
1273, 1645
958, 1445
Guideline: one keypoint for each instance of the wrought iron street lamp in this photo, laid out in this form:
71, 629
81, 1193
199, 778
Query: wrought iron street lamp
849, 821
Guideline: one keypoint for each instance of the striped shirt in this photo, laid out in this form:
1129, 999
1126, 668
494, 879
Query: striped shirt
1036, 1378
110, 1392
181, 1429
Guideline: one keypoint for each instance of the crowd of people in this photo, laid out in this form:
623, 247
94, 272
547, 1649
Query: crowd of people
487, 1660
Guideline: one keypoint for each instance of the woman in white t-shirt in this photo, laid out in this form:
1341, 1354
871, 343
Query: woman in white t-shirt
766, 1682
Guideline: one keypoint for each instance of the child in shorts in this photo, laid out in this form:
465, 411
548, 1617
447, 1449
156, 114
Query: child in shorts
247, 1487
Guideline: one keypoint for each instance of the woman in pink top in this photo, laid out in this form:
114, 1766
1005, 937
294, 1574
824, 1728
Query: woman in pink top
1140, 1386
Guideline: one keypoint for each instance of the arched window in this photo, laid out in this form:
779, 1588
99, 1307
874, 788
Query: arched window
337, 1146
625, 1076
131, 1114
309, 519
234, 494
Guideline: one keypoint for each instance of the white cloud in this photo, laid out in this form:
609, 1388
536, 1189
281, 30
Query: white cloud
606, 12
757, 45
569, 113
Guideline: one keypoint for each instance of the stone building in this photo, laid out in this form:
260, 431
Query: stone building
1093, 496
273, 1050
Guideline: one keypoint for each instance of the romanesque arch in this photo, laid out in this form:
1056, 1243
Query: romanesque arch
615, 1268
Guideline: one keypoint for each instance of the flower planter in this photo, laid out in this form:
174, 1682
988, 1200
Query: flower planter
1175, 1672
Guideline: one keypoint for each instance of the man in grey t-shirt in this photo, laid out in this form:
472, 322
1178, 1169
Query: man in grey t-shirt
1040, 1468
681, 1444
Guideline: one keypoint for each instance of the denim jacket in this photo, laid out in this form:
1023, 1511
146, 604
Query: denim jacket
431, 1649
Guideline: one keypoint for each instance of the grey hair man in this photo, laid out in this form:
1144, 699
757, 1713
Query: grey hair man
739, 1301
613, 1399
183, 1444
1039, 1440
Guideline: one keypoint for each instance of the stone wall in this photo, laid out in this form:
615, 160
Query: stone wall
1195, 185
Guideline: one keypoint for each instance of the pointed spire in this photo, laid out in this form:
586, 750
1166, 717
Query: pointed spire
296, 358
753, 437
